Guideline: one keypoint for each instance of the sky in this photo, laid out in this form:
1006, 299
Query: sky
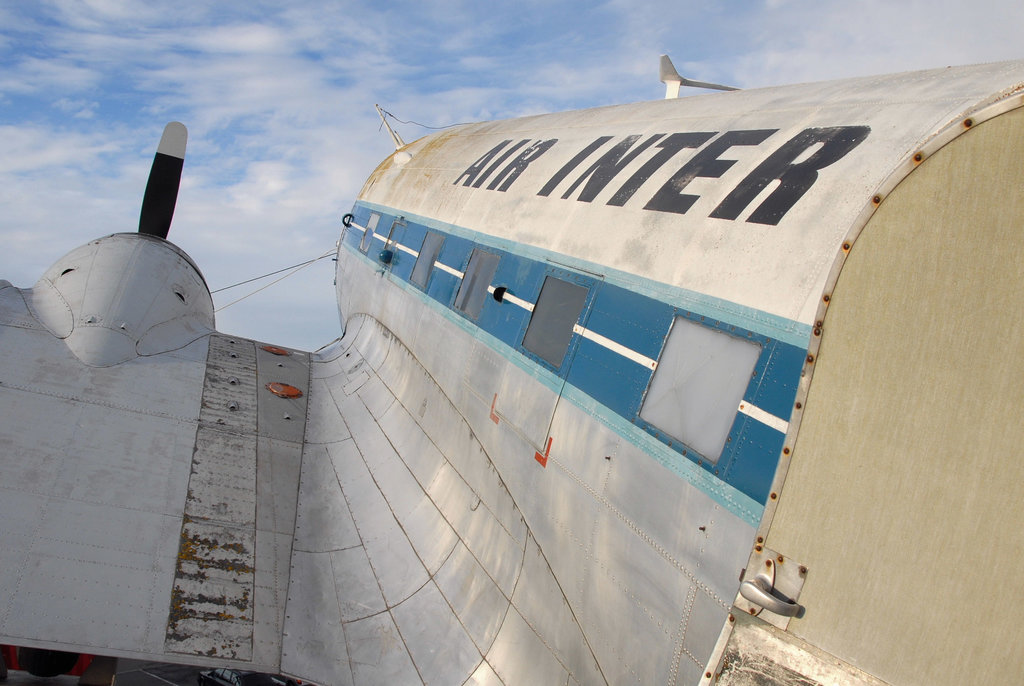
279, 102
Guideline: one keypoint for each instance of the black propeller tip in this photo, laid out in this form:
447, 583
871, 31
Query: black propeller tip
164, 179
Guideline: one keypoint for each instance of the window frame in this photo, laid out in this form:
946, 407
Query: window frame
429, 269
475, 293
371, 227
572, 279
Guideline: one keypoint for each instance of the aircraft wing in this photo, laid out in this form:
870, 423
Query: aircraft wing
131, 519
179, 506
170, 492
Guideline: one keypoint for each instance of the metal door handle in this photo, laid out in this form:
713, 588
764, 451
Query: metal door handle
759, 591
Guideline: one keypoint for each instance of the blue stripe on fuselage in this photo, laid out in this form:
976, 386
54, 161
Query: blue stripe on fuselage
631, 311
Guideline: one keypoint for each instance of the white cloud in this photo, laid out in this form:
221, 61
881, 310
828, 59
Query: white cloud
279, 104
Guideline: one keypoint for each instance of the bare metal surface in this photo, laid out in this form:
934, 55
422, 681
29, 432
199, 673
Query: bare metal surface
212, 601
427, 570
759, 654
130, 491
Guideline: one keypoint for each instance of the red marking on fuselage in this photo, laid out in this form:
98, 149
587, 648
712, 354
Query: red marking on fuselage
543, 459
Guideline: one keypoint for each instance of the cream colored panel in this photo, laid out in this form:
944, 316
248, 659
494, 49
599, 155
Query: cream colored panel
904, 498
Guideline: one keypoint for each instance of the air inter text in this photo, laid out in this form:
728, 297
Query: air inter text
795, 165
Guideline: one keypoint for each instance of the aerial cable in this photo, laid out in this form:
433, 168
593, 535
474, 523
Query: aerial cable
295, 268
416, 123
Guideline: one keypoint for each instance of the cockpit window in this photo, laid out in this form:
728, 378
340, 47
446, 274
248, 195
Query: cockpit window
371, 226
697, 387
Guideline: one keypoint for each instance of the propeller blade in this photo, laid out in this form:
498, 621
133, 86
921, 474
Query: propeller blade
164, 178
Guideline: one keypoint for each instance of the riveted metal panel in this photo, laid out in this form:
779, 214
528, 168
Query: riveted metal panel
473, 595
519, 656
484, 676
277, 478
357, 588
377, 654
540, 600
418, 452
322, 422
273, 565
431, 536
316, 649
323, 522
393, 558
282, 418
439, 645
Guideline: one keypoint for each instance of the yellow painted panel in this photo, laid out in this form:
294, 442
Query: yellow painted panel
905, 498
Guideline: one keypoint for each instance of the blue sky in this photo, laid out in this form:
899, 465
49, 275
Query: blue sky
278, 99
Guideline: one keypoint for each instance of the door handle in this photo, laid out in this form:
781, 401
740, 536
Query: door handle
760, 591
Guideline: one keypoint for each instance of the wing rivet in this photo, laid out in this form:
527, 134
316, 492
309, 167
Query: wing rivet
283, 390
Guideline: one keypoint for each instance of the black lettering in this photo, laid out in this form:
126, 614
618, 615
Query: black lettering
474, 169
611, 163
795, 178
572, 164
498, 162
706, 163
669, 147
510, 173
670, 198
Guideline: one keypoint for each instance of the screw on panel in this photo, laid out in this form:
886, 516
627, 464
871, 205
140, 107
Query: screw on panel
877, 200
968, 123
918, 157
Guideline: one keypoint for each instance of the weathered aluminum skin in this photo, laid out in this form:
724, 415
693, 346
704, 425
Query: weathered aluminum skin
438, 507
134, 523
779, 269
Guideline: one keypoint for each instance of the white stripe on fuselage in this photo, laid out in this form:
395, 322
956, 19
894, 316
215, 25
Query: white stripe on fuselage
752, 411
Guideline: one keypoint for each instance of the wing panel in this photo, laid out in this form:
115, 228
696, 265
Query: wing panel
127, 490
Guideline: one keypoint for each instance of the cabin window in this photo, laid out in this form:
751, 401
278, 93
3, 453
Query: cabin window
429, 251
697, 387
371, 226
557, 311
473, 291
